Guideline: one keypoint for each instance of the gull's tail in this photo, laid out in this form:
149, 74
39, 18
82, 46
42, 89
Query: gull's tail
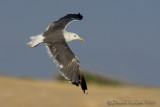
35, 40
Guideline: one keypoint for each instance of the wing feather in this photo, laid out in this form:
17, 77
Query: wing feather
62, 22
69, 64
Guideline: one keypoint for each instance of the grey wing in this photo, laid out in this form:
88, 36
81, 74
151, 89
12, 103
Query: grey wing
62, 22
68, 63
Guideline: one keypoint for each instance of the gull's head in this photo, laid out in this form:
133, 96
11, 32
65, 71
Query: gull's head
72, 36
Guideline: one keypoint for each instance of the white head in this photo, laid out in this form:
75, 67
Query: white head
71, 36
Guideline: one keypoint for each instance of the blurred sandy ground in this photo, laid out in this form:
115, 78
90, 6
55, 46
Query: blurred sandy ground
35, 93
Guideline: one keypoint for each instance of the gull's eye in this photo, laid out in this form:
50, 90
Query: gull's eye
74, 35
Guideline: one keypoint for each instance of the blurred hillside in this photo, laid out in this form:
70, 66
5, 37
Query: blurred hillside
95, 78
18, 92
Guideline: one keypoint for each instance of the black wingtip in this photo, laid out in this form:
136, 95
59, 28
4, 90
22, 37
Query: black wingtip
84, 91
80, 16
83, 83
77, 16
74, 83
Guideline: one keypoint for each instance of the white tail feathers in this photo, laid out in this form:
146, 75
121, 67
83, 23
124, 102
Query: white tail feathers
35, 40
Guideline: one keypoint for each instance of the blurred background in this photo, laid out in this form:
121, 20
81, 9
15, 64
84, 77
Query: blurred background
120, 56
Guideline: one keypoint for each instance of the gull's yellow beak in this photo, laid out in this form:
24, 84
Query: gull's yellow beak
81, 39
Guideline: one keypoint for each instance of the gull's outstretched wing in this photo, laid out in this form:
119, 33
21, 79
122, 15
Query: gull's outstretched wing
62, 22
68, 63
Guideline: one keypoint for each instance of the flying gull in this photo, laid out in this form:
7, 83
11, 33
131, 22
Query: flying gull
56, 39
